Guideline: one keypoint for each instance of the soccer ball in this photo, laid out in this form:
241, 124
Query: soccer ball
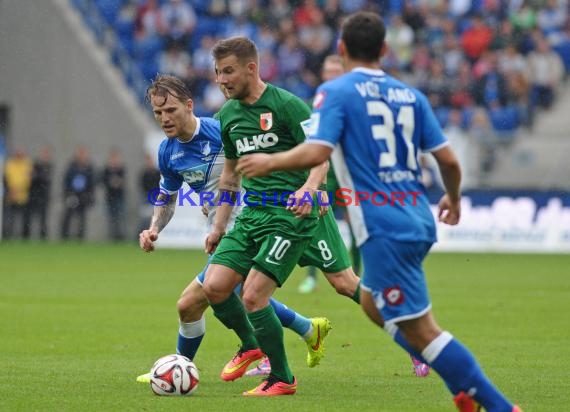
174, 375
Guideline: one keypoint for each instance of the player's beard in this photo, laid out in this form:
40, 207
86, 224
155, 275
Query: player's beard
240, 92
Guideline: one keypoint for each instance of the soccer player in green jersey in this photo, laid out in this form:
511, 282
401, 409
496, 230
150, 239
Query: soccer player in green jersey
267, 239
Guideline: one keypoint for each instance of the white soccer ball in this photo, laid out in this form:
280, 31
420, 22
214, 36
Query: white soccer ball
174, 375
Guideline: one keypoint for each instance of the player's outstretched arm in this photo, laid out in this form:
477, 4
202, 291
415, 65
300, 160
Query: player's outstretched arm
303, 156
229, 186
300, 200
450, 203
160, 218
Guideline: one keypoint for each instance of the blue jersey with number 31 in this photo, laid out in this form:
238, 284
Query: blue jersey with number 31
378, 127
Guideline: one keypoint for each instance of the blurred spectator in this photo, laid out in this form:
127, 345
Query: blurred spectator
511, 61
316, 38
179, 20
414, 16
452, 55
238, 8
268, 67
114, 182
523, 17
202, 57
332, 13
505, 35
239, 26
552, 17
290, 56
460, 87
217, 8
545, 73
277, 11
266, 39
476, 39
175, 61
18, 181
148, 19
519, 93
459, 8
400, 38
350, 6
79, 193
212, 96
38, 207
437, 86
306, 14
490, 90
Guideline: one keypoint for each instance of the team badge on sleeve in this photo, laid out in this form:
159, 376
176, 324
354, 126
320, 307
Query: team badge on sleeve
306, 126
266, 121
318, 100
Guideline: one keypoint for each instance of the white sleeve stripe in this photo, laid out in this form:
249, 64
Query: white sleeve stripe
433, 149
321, 142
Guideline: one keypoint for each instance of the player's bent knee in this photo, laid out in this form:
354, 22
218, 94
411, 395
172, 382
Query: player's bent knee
421, 331
191, 308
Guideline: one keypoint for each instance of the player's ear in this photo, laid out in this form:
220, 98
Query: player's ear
252, 67
190, 104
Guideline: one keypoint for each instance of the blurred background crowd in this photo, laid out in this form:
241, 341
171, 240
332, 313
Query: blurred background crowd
488, 67
507, 57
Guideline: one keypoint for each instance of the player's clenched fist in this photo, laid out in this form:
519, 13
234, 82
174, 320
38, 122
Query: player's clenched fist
147, 239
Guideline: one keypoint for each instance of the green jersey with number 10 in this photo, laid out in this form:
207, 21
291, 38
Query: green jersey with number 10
276, 122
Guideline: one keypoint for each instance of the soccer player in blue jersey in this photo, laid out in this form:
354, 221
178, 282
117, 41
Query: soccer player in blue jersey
374, 126
193, 153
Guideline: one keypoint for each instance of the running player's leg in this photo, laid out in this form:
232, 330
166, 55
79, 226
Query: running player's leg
277, 256
395, 282
191, 307
328, 253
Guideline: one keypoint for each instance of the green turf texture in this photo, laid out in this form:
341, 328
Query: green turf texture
79, 322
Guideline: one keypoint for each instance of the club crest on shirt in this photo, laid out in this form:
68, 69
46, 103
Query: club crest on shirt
266, 121
205, 148
393, 295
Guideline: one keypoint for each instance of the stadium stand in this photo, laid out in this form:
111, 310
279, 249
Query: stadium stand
446, 35
464, 55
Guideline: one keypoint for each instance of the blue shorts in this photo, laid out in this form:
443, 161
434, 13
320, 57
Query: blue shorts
202, 275
394, 275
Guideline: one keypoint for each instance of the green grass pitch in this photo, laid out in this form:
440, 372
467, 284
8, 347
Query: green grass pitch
79, 322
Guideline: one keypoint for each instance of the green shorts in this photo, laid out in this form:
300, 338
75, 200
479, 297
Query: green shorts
326, 251
267, 239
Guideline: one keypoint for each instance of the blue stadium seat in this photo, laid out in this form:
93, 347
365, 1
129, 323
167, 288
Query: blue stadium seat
442, 115
467, 114
124, 28
563, 49
109, 9
505, 121
148, 68
148, 48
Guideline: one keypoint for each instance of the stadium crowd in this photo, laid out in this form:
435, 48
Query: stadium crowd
487, 66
